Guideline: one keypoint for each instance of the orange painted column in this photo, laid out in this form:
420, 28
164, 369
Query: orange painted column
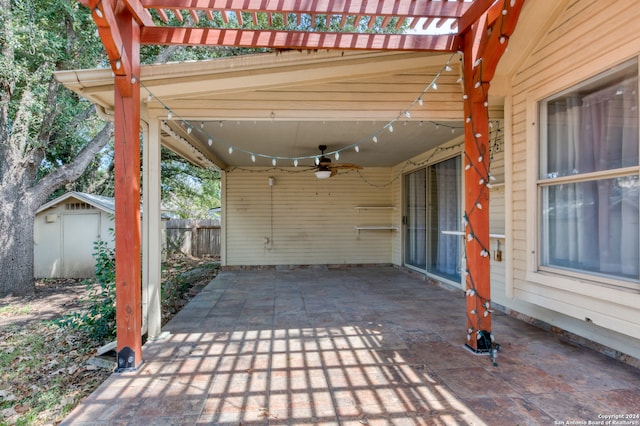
477, 182
127, 199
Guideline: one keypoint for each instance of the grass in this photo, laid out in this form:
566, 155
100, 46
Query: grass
11, 310
43, 372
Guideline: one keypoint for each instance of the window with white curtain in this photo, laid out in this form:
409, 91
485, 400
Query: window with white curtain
588, 183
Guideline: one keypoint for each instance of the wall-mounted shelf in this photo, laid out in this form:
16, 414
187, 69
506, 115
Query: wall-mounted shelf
374, 208
376, 228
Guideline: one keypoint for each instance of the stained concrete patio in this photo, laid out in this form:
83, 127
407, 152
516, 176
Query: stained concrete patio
353, 346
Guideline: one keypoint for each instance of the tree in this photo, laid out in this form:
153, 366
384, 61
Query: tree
48, 136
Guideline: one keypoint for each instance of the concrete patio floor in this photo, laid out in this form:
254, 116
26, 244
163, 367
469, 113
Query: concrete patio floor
373, 346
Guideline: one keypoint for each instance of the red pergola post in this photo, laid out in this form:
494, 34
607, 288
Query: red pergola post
127, 197
476, 218
483, 45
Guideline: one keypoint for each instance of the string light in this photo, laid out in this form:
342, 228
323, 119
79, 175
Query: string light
374, 137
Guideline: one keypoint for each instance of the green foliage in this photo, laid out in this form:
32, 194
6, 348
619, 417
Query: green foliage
189, 190
99, 318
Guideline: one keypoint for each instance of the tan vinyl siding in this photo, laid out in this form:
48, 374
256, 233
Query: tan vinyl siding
572, 51
301, 220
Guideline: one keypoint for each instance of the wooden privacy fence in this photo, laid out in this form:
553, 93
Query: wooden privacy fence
195, 237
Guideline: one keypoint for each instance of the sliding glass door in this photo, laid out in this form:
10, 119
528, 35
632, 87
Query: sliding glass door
415, 219
433, 219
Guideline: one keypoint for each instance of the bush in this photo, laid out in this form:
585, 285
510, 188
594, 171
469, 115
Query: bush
99, 318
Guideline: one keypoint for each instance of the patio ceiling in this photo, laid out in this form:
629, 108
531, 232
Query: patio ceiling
284, 105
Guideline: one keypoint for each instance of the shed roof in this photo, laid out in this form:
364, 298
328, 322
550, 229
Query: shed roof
106, 204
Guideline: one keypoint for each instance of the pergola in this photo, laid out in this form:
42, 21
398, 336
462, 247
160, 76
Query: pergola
480, 30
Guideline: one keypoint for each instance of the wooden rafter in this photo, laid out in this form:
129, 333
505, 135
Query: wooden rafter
456, 13
296, 39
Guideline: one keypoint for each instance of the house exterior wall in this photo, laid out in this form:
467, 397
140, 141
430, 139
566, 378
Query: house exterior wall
302, 220
585, 40
64, 237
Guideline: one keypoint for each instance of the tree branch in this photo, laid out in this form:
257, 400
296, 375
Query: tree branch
72, 171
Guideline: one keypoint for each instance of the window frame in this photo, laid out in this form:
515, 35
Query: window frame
566, 278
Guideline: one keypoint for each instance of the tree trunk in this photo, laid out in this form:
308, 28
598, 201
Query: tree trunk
17, 217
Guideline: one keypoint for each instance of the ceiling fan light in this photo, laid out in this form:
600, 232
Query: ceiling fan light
323, 174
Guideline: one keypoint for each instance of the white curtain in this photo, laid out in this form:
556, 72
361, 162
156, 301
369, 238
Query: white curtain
415, 217
593, 225
447, 217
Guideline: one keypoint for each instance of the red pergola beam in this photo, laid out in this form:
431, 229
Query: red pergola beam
444, 9
295, 39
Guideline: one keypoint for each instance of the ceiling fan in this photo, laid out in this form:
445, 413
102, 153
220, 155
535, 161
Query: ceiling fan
326, 169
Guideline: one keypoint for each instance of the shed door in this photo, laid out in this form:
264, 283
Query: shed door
80, 231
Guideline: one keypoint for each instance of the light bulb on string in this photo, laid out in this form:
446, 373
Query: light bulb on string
317, 160
230, 150
170, 115
447, 68
202, 124
478, 135
337, 155
470, 237
295, 163
407, 114
189, 129
274, 162
356, 148
420, 101
480, 158
434, 86
149, 97
478, 205
210, 141
221, 123
253, 158
390, 128
374, 138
